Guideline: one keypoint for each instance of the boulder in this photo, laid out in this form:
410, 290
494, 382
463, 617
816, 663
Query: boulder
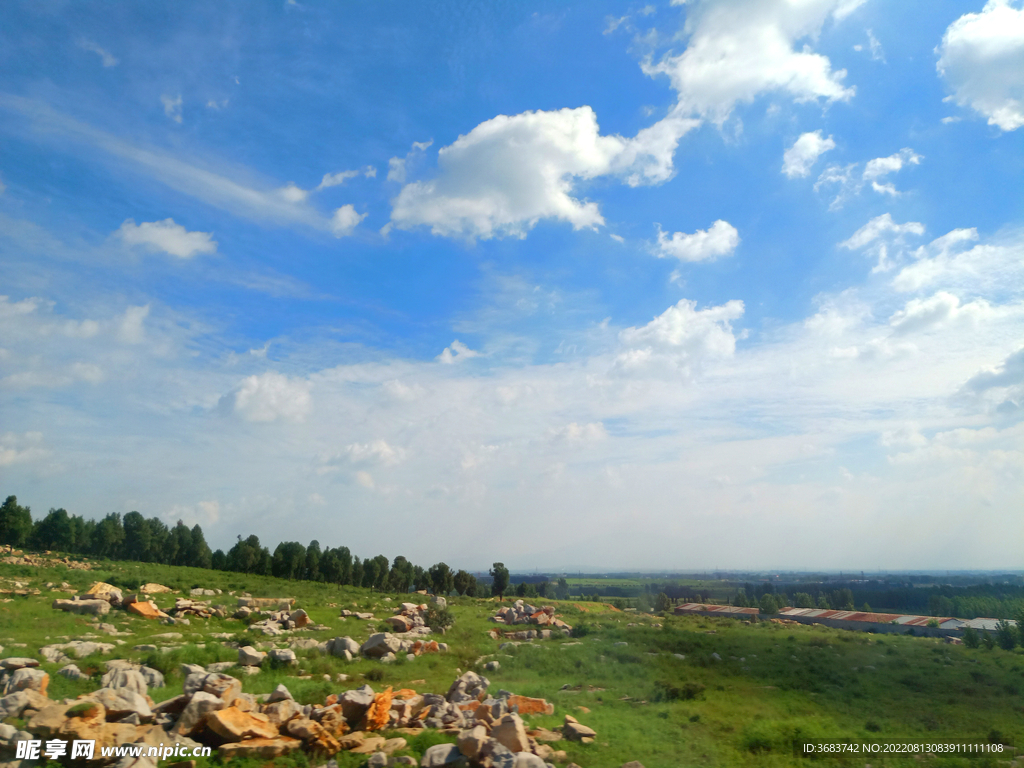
299, 618
232, 724
572, 730
528, 760
510, 732
280, 712
443, 755
121, 702
27, 679
496, 755
471, 741
250, 657
281, 693
354, 703
91, 607
193, 669
146, 610
283, 656
72, 672
315, 738
632, 764
262, 748
193, 717
339, 645
526, 705
399, 623
439, 601
154, 589
468, 687
380, 644
18, 662
224, 687
492, 666
104, 591
14, 704
127, 679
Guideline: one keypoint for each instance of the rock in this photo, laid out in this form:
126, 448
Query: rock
471, 741
273, 603
496, 755
15, 704
443, 754
281, 693
492, 666
716, 657
192, 669
468, 687
368, 745
47, 721
439, 601
153, 677
194, 715
511, 733
525, 705
250, 657
27, 679
399, 623
355, 703
18, 662
305, 644
393, 745
232, 724
377, 760
299, 618
219, 666
340, 644
93, 607
105, 591
145, 648
146, 610
154, 589
283, 656
575, 731
72, 672
280, 712
380, 644
121, 702
128, 679
528, 760
263, 748
224, 687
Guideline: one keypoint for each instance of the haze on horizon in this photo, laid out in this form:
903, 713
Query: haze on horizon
664, 286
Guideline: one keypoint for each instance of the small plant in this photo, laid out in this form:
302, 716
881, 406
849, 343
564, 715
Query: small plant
438, 618
872, 726
376, 674
971, 639
987, 641
685, 692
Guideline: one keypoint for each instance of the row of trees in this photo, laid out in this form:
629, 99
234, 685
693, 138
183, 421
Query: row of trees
137, 538
772, 602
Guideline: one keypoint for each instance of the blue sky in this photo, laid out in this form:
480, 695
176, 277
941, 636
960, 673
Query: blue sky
727, 284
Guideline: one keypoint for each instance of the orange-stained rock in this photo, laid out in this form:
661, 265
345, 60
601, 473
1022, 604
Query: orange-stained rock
529, 706
313, 735
146, 610
265, 748
369, 745
379, 713
332, 699
404, 693
469, 706
232, 724
154, 589
332, 720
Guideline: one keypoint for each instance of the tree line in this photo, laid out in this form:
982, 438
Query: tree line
149, 540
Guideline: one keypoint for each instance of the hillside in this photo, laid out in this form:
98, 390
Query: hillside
662, 690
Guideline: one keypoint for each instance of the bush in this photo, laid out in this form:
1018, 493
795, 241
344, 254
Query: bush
970, 637
438, 618
686, 692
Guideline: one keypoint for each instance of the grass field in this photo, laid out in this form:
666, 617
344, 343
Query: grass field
773, 684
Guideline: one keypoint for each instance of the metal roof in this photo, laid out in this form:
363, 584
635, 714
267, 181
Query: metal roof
696, 607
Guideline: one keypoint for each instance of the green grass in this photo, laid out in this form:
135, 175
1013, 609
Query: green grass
774, 684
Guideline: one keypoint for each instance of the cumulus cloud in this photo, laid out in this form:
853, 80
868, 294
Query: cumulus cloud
345, 220
1009, 373
849, 181
456, 353
981, 57
740, 49
397, 165
510, 172
680, 338
798, 159
882, 166
336, 179
936, 311
720, 239
271, 396
172, 107
202, 513
954, 259
168, 237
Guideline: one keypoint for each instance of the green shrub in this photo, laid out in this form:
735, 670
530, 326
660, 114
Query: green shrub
438, 618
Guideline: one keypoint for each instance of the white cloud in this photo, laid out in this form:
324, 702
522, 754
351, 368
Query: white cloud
953, 261
720, 239
374, 452
1009, 373
293, 193
981, 57
397, 166
680, 338
457, 352
131, 329
172, 107
17, 308
345, 220
850, 183
740, 49
510, 172
204, 513
936, 311
879, 227
168, 237
798, 159
883, 166
578, 433
271, 396
107, 59
21, 448
335, 179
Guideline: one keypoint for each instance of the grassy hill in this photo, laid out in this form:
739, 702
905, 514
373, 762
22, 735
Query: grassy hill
621, 673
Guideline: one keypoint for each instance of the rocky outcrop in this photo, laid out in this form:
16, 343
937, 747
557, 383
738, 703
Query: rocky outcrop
94, 607
524, 613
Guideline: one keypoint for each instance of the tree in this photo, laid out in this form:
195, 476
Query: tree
219, 561
181, 535
357, 573
500, 578
400, 577
769, 603
521, 589
823, 602
803, 600
661, 604
462, 580
971, 639
313, 561
15, 523
1006, 635
200, 555
562, 590
53, 531
441, 579
988, 641
246, 556
1020, 626
381, 572
542, 588
344, 565
137, 537
289, 560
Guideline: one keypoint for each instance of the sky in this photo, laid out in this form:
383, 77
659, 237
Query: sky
594, 285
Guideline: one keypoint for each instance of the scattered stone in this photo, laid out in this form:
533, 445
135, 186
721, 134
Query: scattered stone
18, 662
93, 607
250, 657
443, 755
283, 656
72, 672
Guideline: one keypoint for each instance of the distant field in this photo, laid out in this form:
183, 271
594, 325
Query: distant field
770, 686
